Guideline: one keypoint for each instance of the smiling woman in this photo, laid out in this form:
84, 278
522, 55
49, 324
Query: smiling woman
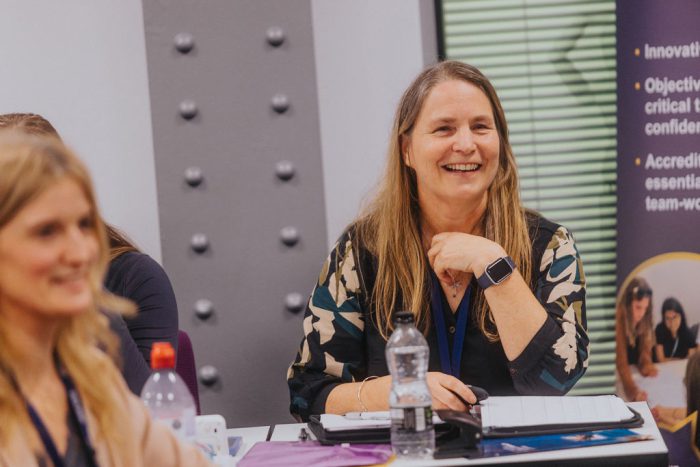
46, 254
62, 400
446, 238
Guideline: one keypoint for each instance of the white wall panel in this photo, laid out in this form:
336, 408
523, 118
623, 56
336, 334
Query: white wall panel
83, 66
367, 53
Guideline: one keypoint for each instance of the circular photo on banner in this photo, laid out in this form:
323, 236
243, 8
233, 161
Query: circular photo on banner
661, 297
671, 275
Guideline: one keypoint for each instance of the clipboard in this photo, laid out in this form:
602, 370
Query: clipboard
443, 431
635, 421
372, 435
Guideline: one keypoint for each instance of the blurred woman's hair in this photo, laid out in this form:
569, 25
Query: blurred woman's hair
35, 124
119, 243
390, 226
28, 166
32, 124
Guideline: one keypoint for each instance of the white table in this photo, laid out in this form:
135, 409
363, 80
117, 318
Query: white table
250, 435
624, 453
667, 387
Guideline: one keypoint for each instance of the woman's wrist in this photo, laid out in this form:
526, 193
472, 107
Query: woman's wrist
360, 388
487, 256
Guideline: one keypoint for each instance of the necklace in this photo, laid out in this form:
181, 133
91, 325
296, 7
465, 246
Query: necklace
456, 285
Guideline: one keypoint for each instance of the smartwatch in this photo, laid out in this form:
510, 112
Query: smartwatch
496, 272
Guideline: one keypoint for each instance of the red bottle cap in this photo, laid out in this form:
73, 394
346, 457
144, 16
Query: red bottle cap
162, 356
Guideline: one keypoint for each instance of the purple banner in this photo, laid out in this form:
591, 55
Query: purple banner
658, 157
658, 79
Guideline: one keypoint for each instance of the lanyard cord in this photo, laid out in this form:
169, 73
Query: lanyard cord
675, 346
77, 414
450, 363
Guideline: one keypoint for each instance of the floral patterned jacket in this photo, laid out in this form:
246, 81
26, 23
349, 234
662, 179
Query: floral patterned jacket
342, 343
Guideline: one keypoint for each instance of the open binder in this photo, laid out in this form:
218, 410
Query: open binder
497, 417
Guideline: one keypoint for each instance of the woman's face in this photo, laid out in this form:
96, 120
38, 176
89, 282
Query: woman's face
639, 308
47, 252
672, 320
454, 145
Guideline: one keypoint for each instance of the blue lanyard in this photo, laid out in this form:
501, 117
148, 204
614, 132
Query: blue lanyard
451, 366
75, 407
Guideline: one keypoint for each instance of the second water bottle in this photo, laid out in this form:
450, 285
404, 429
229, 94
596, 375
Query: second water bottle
410, 402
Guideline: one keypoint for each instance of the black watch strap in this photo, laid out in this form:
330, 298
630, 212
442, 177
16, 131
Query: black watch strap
496, 272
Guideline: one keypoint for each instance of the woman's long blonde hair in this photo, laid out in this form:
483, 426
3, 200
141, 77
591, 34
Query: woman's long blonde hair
85, 345
390, 228
35, 124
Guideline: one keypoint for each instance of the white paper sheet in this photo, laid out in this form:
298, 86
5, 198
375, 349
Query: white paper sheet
516, 411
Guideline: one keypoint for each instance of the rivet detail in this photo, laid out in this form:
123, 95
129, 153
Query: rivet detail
199, 243
284, 170
289, 235
280, 103
275, 36
188, 109
208, 375
184, 42
294, 302
203, 308
194, 176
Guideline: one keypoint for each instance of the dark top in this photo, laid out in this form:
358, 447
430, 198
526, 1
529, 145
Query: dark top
633, 352
142, 280
75, 455
678, 347
343, 344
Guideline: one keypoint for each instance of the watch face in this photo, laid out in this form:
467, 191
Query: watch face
499, 270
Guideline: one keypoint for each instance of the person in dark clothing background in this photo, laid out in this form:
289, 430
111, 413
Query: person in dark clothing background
674, 339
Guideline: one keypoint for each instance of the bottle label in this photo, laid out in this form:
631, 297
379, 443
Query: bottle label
411, 419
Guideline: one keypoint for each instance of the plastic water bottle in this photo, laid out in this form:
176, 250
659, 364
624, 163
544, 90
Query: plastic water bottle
410, 402
166, 394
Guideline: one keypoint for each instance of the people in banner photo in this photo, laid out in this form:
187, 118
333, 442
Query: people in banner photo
674, 340
131, 274
62, 399
498, 290
634, 336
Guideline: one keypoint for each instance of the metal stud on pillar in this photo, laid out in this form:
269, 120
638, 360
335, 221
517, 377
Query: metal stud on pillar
275, 36
188, 109
208, 375
280, 103
294, 302
194, 176
203, 308
289, 235
284, 170
184, 42
199, 243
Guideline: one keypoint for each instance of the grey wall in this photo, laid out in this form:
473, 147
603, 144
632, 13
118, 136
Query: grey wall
83, 66
237, 140
367, 53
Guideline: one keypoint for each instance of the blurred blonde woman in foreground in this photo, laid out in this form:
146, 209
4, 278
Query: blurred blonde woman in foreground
62, 400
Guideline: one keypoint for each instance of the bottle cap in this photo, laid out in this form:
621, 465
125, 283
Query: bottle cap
403, 317
162, 356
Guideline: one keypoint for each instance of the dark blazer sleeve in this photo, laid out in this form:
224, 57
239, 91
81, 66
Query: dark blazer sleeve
134, 368
142, 280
